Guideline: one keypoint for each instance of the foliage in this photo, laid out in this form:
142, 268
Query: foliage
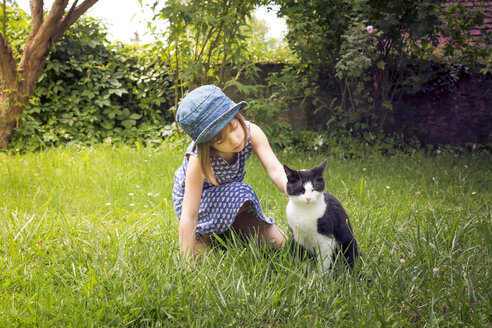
17, 28
354, 69
92, 92
204, 41
90, 238
315, 30
365, 72
263, 48
290, 90
285, 91
459, 45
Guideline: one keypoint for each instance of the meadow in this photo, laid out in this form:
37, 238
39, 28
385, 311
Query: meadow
88, 238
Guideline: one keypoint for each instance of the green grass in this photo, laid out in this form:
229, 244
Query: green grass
89, 238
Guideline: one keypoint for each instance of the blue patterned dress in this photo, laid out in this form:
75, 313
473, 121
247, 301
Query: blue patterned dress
220, 204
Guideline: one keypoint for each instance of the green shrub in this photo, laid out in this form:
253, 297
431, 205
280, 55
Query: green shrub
368, 54
91, 92
16, 28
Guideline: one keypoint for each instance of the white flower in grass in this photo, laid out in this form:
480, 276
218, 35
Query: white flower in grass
137, 186
402, 261
388, 187
132, 204
130, 194
108, 204
474, 193
435, 271
145, 161
149, 194
145, 206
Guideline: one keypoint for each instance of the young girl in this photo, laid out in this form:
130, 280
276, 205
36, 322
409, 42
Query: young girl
209, 195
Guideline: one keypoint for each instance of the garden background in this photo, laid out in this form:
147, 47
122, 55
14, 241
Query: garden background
395, 95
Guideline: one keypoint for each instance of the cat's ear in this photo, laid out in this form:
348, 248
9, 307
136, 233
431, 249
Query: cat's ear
288, 171
320, 168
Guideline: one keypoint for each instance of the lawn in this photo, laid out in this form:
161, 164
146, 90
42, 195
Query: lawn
89, 238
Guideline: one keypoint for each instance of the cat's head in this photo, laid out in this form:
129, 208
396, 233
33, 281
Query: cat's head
305, 186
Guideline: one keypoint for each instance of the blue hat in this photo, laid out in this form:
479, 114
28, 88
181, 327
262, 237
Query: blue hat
205, 111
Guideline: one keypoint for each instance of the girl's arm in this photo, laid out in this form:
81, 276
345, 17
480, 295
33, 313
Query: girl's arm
191, 204
272, 165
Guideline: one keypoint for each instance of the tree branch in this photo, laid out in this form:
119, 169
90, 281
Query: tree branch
71, 17
40, 44
36, 16
7, 65
5, 18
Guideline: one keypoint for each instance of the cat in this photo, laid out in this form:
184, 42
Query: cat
317, 219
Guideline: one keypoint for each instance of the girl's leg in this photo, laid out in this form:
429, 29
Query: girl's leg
249, 224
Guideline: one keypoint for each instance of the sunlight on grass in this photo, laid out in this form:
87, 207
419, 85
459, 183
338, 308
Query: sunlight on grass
89, 238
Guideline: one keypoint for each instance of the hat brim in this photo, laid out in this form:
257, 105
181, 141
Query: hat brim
219, 123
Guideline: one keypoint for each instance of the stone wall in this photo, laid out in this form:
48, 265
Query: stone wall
455, 118
439, 118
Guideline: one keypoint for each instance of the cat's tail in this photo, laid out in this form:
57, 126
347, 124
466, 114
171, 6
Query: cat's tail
351, 252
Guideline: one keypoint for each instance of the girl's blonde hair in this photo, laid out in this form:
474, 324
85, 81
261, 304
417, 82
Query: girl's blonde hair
206, 150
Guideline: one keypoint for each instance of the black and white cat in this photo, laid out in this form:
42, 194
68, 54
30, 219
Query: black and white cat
317, 219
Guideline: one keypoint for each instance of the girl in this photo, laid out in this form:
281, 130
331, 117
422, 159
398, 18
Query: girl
209, 195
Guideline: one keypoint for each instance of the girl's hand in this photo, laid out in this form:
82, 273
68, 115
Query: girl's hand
191, 249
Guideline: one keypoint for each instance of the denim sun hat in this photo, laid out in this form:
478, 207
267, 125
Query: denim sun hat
205, 111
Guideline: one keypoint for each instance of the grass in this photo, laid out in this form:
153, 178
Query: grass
89, 238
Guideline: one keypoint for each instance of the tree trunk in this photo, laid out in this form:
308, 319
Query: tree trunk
9, 119
17, 83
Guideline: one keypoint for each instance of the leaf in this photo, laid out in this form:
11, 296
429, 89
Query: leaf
128, 123
135, 116
101, 102
117, 92
381, 65
88, 93
388, 105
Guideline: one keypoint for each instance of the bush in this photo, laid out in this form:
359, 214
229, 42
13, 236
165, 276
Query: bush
368, 54
91, 92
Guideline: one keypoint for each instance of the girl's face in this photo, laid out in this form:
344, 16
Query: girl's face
232, 140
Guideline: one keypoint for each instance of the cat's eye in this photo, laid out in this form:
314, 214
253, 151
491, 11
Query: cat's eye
292, 179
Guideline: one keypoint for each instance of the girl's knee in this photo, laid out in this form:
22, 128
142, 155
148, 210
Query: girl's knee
274, 237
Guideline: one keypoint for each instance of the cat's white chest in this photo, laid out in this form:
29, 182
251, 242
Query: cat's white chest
303, 220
